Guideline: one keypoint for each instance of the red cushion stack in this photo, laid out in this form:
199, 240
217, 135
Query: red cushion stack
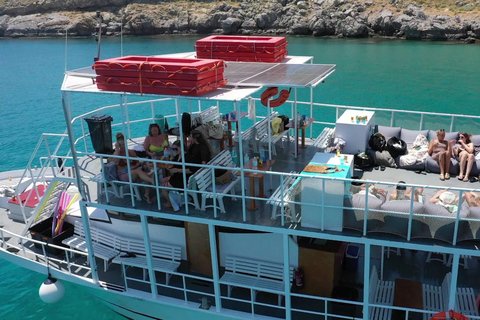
241, 48
169, 76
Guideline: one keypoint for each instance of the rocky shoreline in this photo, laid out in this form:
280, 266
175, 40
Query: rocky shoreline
319, 18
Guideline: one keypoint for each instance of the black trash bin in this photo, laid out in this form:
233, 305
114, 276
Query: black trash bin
344, 293
100, 127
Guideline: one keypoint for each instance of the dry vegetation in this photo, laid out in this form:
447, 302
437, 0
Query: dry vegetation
432, 7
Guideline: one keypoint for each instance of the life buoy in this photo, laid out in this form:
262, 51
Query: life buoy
449, 315
271, 92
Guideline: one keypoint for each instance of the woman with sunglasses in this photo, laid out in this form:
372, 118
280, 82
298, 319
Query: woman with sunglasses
463, 152
440, 150
198, 152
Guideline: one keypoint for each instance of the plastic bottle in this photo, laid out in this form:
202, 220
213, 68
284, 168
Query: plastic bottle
263, 156
246, 159
166, 153
234, 157
255, 162
225, 129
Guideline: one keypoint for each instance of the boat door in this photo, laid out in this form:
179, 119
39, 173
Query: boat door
198, 248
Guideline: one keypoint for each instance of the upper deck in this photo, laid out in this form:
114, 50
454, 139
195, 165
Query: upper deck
246, 82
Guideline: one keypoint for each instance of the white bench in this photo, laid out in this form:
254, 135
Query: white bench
106, 246
165, 257
259, 133
255, 275
202, 181
381, 292
283, 195
324, 139
435, 298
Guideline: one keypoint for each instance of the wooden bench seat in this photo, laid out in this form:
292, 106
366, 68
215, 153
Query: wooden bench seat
381, 292
255, 275
202, 180
283, 195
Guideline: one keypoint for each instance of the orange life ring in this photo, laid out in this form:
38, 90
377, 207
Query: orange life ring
449, 315
272, 91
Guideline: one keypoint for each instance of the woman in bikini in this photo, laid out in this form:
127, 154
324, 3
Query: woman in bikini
155, 142
463, 152
440, 150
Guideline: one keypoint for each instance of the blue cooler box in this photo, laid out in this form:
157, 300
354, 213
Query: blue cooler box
351, 257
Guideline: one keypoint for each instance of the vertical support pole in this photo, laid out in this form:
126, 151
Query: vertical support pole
88, 237
148, 252
286, 276
452, 295
366, 282
215, 269
240, 160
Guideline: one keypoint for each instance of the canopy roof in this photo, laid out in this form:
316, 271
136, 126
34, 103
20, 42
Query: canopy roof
245, 78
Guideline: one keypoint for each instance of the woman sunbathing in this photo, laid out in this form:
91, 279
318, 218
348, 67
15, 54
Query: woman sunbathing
463, 152
440, 151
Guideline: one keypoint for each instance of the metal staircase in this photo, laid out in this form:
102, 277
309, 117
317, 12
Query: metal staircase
48, 202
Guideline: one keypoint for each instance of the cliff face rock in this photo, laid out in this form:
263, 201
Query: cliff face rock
340, 18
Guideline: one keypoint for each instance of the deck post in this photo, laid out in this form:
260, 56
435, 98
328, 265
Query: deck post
215, 269
286, 276
366, 282
148, 253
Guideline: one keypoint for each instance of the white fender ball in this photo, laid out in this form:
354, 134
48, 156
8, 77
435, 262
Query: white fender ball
51, 290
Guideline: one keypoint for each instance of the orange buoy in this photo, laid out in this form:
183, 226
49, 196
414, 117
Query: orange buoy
449, 315
270, 93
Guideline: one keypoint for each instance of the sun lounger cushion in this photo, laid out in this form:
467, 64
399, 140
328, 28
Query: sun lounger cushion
474, 212
432, 166
358, 201
432, 134
388, 132
409, 136
403, 206
438, 210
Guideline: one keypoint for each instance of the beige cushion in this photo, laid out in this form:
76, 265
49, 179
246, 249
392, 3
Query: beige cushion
403, 206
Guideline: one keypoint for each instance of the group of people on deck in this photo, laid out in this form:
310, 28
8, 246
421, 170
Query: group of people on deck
462, 149
197, 151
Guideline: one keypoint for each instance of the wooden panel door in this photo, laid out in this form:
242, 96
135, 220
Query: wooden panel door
198, 249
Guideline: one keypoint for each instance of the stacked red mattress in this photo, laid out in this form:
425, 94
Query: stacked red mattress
240, 48
169, 76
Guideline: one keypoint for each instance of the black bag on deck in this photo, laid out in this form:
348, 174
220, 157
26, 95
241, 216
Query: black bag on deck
396, 147
362, 161
186, 123
377, 142
285, 120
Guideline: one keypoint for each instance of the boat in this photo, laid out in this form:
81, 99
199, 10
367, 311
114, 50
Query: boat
312, 244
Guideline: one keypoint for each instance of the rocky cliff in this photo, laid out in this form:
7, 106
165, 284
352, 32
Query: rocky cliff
320, 18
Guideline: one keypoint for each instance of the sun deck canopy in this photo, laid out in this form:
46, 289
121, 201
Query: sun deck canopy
245, 78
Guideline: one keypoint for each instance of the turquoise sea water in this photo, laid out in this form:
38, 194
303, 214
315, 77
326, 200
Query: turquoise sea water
430, 76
